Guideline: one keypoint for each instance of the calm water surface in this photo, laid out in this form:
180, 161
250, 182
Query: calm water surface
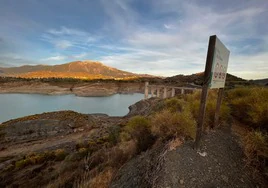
19, 105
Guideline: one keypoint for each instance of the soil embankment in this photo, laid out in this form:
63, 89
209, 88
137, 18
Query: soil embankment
79, 89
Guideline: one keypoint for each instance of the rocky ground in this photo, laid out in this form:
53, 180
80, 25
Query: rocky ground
79, 89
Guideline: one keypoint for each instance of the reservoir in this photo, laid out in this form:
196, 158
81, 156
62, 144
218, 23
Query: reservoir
18, 105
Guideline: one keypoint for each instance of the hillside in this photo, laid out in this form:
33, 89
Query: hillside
263, 82
76, 69
198, 79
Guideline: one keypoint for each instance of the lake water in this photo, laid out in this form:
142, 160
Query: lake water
19, 105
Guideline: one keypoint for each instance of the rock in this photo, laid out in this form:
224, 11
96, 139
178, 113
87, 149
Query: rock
193, 180
225, 178
181, 182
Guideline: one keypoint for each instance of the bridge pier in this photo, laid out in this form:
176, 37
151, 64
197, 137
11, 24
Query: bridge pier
165, 93
158, 92
146, 90
152, 91
173, 92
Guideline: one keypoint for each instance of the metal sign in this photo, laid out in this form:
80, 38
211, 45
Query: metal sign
219, 65
214, 77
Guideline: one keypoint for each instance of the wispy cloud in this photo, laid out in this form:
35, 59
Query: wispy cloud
63, 44
64, 38
54, 58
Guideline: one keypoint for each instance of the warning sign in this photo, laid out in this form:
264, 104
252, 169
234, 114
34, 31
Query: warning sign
219, 65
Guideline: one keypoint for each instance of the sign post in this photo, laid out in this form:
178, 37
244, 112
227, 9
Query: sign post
214, 77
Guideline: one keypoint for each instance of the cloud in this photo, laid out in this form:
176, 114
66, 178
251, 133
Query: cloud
63, 44
11, 59
79, 56
169, 26
65, 38
54, 58
67, 31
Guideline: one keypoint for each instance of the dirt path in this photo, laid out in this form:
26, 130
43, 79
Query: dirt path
222, 165
219, 165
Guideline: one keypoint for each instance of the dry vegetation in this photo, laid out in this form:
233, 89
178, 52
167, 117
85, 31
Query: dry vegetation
250, 107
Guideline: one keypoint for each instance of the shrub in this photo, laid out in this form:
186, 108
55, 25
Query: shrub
22, 163
102, 180
137, 126
193, 101
175, 104
124, 136
167, 124
249, 105
60, 154
256, 148
114, 133
138, 129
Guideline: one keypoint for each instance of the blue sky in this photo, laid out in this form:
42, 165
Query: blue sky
160, 37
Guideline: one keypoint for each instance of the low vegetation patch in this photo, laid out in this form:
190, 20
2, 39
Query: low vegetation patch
167, 124
250, 106
256, 149
39, 158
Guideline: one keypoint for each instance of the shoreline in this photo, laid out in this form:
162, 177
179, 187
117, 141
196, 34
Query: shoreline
97, 89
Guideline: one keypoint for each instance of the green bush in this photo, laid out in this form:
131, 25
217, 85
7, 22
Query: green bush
250, 106
166, 124
193, 101
137, 126
114, 134
174, 104
138, 129
60, 154
22, 163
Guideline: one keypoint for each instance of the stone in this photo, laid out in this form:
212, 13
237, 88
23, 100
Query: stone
225, 178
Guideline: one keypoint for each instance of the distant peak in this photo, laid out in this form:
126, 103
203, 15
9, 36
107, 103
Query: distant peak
86, 62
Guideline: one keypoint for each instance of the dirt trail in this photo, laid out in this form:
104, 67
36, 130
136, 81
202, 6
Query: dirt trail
219, 164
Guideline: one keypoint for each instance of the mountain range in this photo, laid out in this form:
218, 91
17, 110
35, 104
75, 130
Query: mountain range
96, 70
76, 69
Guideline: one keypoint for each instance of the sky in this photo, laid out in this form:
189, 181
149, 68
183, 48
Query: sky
158, 37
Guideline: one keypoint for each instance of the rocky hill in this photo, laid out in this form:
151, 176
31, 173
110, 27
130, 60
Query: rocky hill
197, 79
263, 82
76, 69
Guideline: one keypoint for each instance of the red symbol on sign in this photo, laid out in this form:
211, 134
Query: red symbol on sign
216, 71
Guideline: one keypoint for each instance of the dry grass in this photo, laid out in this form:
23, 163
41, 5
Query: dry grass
194, 103
250, 106
166, 124
102, 180
256, 148
173, 144
139, 129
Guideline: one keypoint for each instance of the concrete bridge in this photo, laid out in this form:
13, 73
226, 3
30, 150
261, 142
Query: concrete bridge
163, 91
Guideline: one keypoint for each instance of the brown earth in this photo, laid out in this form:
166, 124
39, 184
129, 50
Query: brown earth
79, 89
